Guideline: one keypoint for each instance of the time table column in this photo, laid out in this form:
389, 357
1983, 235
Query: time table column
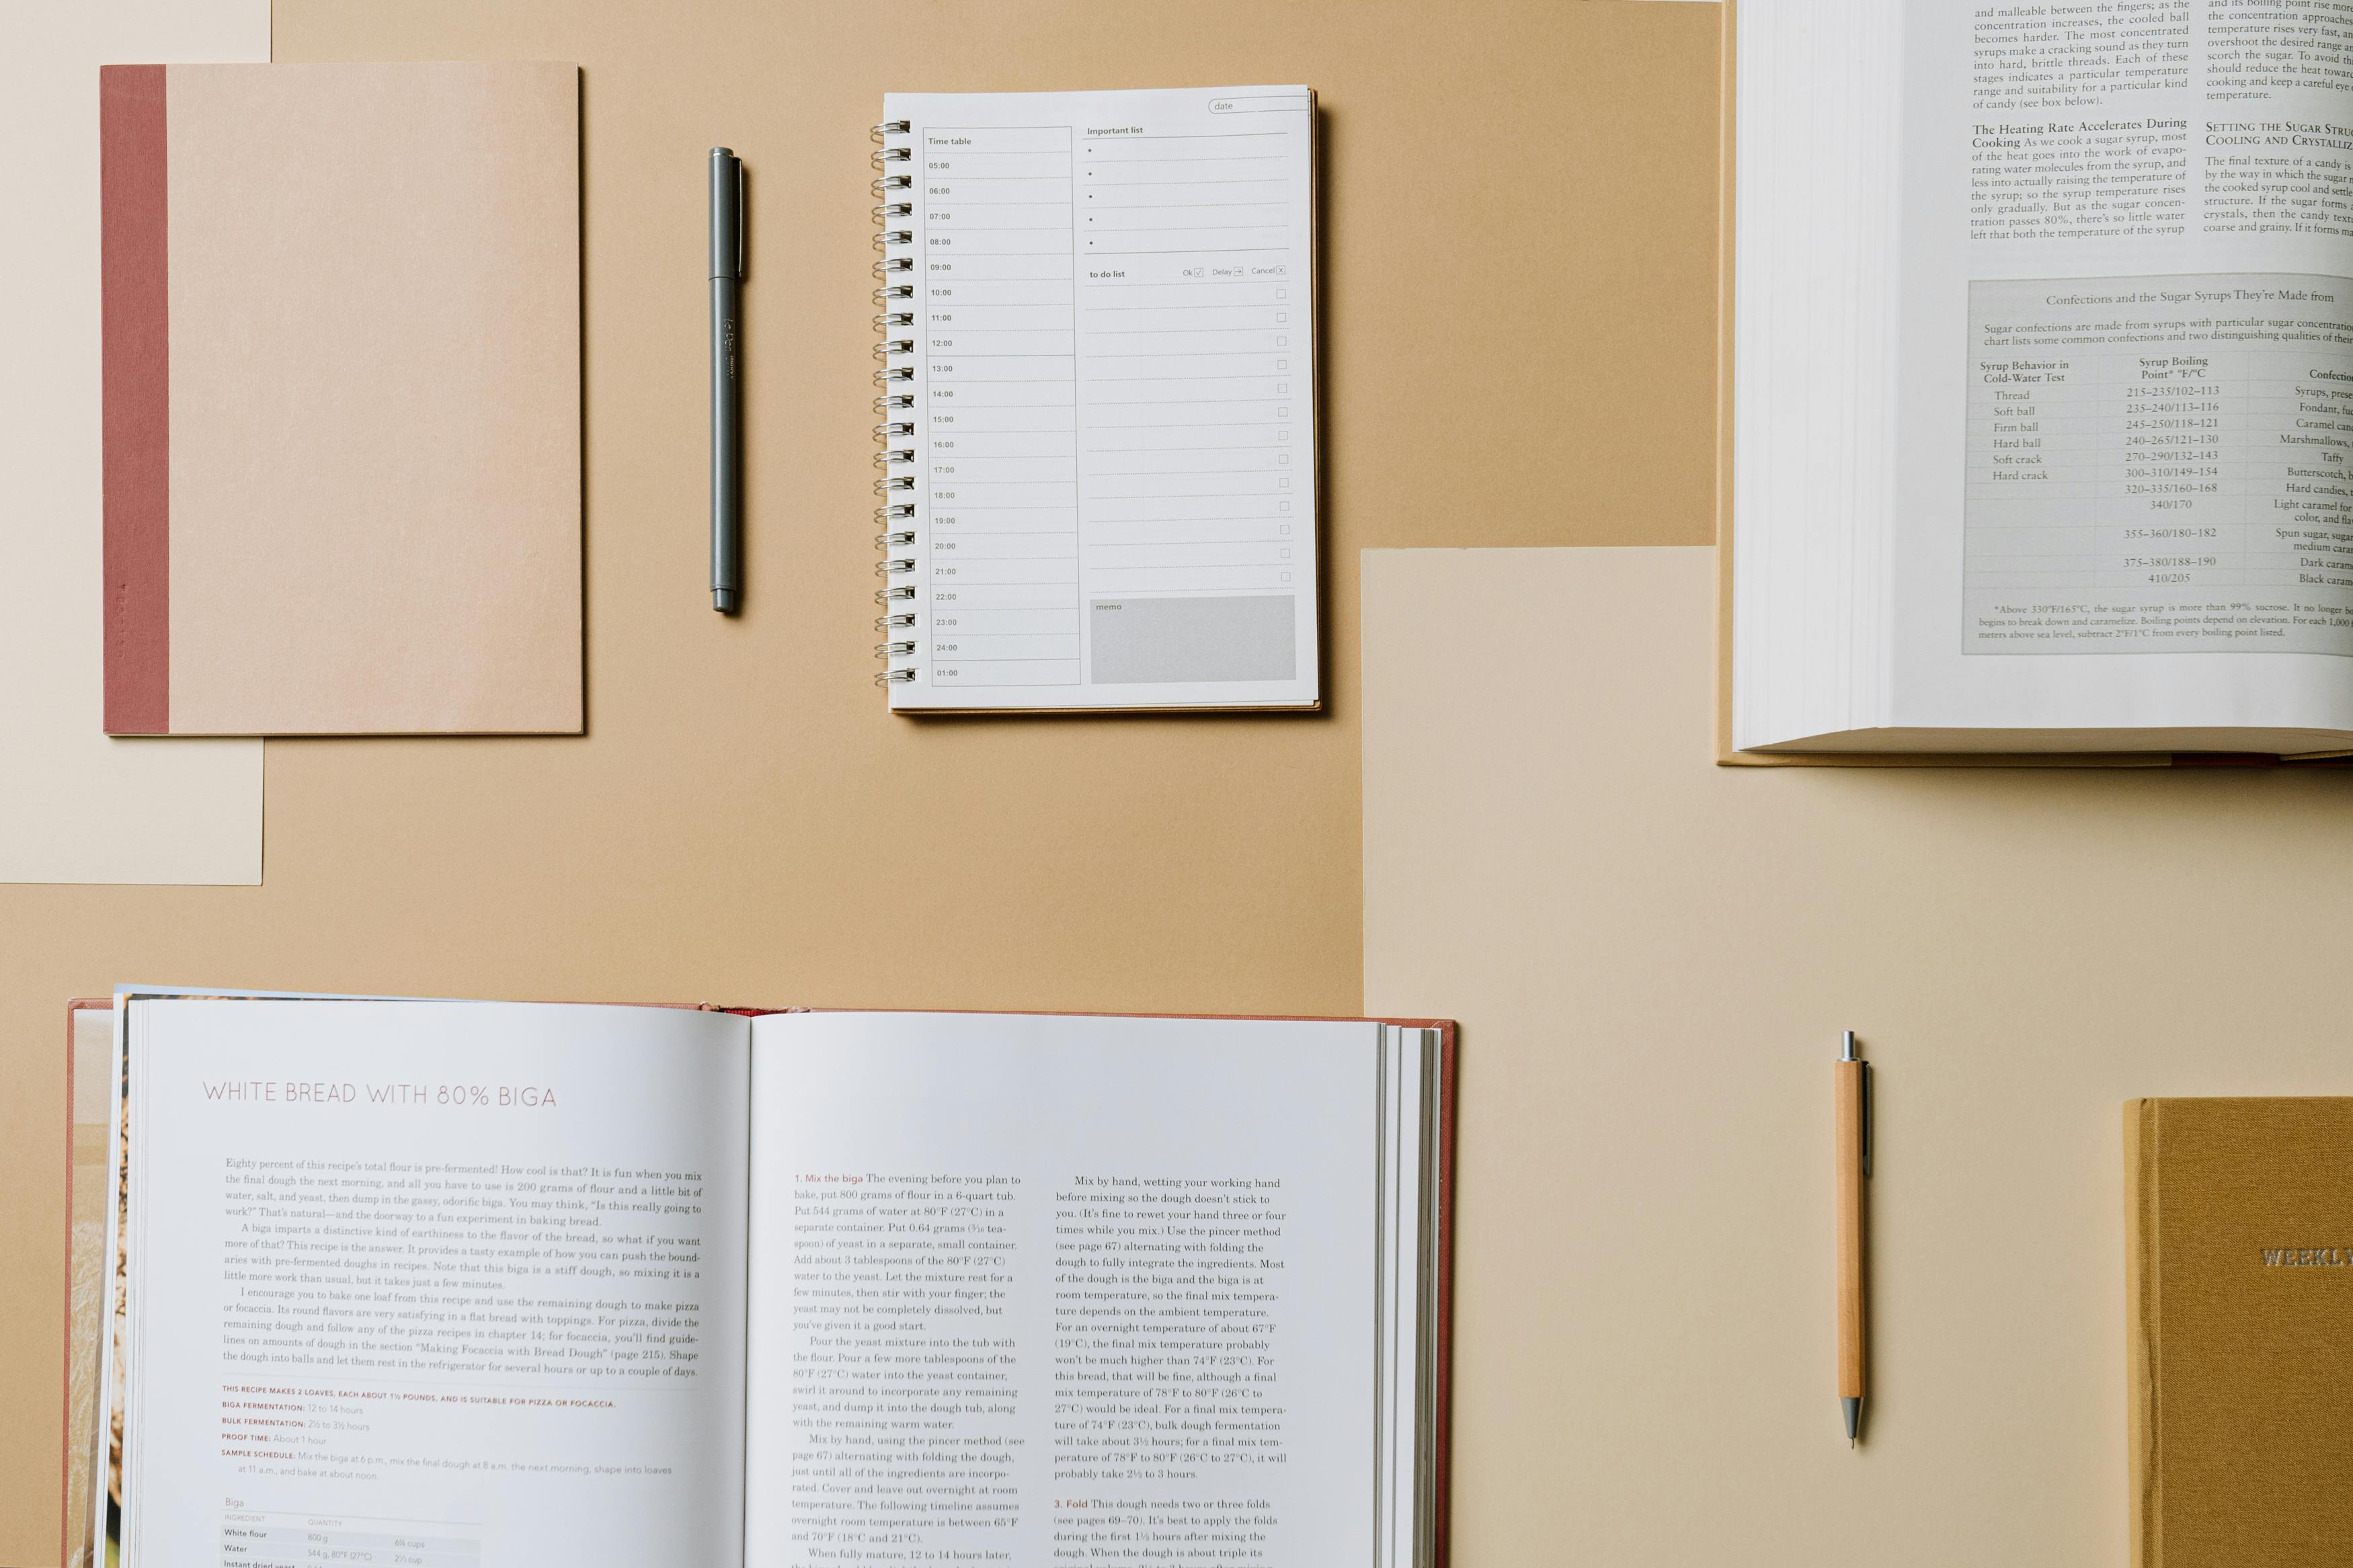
1000, 442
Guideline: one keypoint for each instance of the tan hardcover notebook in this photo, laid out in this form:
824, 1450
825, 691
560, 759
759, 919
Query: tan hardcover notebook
2239, 1258
341, 309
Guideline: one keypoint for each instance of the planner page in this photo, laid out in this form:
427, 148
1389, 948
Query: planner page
1099, 399
439, 1283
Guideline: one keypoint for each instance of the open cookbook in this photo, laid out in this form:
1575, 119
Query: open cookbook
2041, 378
457, 1283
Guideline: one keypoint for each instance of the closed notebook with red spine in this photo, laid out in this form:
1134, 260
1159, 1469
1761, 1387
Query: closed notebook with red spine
342, 407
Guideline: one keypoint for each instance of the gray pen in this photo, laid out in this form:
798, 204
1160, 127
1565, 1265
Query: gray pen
726, 390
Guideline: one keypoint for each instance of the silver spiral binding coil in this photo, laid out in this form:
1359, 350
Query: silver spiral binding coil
894, 350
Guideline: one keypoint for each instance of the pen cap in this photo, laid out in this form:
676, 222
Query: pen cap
726, 214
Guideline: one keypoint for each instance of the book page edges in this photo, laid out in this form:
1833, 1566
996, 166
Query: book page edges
2141, 1406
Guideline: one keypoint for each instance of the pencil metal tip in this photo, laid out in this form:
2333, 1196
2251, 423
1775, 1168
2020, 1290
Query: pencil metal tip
1851, 1407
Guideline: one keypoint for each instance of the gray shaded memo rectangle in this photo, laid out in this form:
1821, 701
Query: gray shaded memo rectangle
1250, 636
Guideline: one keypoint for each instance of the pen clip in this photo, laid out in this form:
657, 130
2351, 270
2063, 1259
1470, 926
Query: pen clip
740, 212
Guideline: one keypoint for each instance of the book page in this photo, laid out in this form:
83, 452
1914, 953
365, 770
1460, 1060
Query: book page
434, 1283
2127, 365
1109, 342
1039, 1289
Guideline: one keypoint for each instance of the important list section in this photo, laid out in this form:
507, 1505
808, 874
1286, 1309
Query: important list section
1116, 372
1193, 356
2158, 464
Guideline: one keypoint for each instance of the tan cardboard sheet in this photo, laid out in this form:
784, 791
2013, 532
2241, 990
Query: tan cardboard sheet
743, 821
76, 806
1650, 957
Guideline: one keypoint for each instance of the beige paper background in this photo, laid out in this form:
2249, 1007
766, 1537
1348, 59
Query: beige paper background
375, 399
1516, 194
1651, 958
76, 806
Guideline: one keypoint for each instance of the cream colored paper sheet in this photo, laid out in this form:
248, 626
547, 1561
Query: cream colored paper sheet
1650, 957
76, 806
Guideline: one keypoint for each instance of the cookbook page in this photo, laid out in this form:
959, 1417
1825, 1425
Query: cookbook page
1037, 1289
2127, 365
434, 1283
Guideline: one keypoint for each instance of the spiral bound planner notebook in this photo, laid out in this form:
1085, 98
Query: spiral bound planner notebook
1097, 396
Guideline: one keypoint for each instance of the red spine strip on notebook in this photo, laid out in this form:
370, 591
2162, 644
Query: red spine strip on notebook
136, 301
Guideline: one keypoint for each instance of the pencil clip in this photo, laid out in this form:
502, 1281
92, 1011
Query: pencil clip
1850, 1051
1866, 1122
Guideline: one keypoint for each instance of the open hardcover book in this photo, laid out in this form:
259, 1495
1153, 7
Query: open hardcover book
451, 1283
2041, 378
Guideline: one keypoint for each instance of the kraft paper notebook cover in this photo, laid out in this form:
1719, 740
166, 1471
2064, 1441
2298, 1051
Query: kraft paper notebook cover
2033, 449
342, 360
2239, 1271
535, 1283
